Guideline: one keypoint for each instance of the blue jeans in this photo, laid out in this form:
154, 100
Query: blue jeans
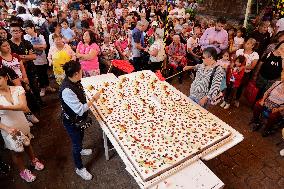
76, 136
205, 106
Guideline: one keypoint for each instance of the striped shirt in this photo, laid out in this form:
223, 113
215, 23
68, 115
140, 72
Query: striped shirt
200, 86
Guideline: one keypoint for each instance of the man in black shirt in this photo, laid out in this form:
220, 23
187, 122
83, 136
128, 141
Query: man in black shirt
25, 51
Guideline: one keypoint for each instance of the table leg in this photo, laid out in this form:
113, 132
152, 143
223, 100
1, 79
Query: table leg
106, 146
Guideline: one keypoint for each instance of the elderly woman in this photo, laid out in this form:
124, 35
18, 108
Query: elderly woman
177, 55
109, 52
252, 58
58, 55
270, 70
87, 52
157, 51
203, 89
272, 104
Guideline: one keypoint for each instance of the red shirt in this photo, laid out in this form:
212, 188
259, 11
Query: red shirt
238, 76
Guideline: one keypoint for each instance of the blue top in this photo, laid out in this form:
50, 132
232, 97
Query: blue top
71, 99
67, 33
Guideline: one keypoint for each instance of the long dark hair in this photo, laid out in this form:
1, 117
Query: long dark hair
71, 68
92, 37
8, 34
3, 72
3, 41
278, 45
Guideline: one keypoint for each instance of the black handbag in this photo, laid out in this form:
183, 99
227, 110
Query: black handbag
84, 123
79, 122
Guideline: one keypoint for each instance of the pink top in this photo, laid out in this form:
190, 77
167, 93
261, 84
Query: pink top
89, 65
123, 44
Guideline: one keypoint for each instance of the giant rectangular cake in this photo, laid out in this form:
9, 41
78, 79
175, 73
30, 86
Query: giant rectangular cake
157, 127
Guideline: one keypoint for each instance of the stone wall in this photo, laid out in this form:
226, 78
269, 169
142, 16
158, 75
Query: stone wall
234, 9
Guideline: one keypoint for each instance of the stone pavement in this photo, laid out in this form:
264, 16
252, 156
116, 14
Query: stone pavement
254, 163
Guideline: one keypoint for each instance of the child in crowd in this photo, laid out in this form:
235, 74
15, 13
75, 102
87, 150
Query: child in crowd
231, 35
238, 41
67, 32
224, 63
235, 75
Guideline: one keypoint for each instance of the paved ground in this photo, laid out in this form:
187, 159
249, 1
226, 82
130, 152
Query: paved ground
254, 163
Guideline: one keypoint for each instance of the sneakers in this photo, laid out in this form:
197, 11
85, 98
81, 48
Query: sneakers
84, 174
37, 164
31, 117
223, 104
227, 106
86, 152
237, 104
42, 92
27, 175
282, 152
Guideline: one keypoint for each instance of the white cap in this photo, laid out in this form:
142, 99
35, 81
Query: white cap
154, 23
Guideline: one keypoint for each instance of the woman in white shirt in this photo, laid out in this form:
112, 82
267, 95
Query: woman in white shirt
252, 58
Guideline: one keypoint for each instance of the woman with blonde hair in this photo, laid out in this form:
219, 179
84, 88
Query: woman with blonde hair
58, 55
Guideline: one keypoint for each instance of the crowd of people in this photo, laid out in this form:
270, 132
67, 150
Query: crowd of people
80, 38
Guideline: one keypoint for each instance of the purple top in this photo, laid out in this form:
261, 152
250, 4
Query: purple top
211, 34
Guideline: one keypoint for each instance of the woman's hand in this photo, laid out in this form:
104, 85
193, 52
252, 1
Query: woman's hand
275, 110
203, 101
188, 68
2, 107
78, 55
10, 130
96, 97
261, 102
26, 80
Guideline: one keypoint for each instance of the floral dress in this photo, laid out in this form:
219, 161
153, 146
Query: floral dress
177, 50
